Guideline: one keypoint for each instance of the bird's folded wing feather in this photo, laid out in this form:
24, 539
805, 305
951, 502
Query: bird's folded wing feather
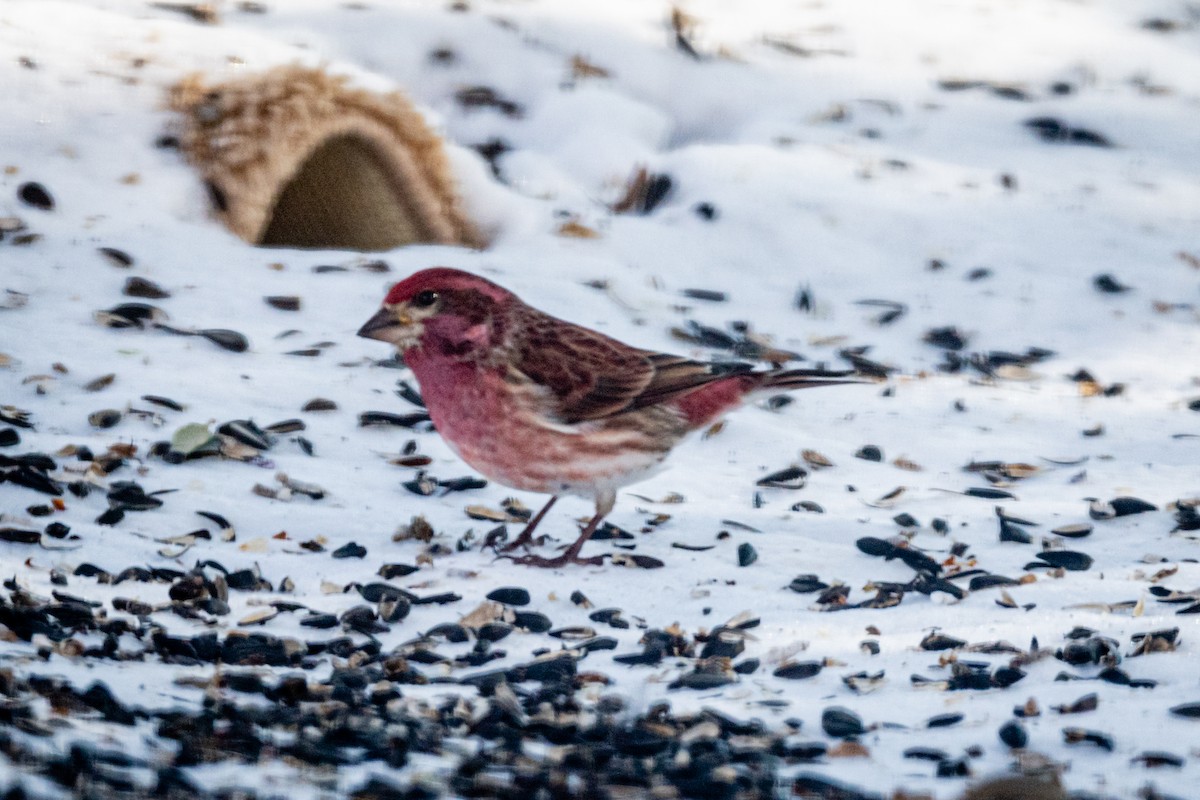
587, 375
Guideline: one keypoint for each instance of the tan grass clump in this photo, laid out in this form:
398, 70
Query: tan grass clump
295, 157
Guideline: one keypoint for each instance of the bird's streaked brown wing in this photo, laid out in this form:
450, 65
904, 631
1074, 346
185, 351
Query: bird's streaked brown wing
591, 376
675, 376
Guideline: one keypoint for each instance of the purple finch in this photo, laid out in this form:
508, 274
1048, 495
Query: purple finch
544, 405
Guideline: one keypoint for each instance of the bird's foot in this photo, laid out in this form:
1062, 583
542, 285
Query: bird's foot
525, 539
561, 560
531, 560
569, 556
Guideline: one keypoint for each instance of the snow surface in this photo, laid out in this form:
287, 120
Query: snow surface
844, 171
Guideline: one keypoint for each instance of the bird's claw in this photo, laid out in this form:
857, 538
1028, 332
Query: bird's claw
521, 541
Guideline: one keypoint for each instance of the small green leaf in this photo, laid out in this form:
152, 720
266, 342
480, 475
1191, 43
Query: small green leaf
191, 437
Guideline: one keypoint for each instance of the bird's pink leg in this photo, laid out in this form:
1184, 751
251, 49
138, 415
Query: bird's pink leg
526, 537
571, 554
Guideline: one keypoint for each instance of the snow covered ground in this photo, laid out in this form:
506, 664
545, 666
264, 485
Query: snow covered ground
848, 151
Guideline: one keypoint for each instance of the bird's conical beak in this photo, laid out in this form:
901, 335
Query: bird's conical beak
383, 326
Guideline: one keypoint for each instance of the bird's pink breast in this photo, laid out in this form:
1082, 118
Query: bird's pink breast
495, 427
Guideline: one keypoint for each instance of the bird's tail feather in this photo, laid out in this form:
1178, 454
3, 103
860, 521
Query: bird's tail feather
788, 379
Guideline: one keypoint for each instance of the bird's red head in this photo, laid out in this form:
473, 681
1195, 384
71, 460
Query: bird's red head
443, 280
452, 311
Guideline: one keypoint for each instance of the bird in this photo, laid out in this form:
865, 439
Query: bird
544, 405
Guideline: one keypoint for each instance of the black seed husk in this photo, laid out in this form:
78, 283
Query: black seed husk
350, 550
1067, 559
1188, 710
143, 287
943, 720
799, 670
840, 722
36, 195
19, 536
510, 595
939, 641
869, 452
283, 302
1013, 734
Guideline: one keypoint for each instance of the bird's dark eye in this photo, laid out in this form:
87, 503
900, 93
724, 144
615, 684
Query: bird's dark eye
425, 299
